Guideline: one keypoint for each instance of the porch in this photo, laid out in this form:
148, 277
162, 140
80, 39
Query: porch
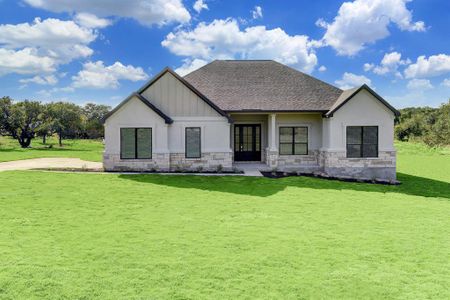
255, 141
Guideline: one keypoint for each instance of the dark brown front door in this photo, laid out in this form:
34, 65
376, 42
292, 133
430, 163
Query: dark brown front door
247, 142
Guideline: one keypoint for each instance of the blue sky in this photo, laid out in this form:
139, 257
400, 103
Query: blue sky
101, 51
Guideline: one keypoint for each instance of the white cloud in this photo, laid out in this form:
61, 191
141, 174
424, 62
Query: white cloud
419, 84
43, 80
63, 40
389, 64
199, 5
91, 21
223, 39
50, 92
321, 23
25, 61
257, 12
367, 67
98, 76
350, 80
42, 45
190, 65
362, 22
434, 65
446, 82
322, 69
146, 12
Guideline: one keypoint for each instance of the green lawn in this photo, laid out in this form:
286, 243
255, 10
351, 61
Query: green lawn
83, 236
90, 150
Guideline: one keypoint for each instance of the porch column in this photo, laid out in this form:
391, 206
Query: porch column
272, 153
272, 125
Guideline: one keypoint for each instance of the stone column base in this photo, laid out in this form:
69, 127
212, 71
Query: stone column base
272, 159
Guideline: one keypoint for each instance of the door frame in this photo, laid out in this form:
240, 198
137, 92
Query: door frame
254, 125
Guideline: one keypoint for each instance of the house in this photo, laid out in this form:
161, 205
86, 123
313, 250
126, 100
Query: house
232, 111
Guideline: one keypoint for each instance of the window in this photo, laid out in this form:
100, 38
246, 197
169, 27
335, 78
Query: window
293, 140
135, 143
362, 141
193, 142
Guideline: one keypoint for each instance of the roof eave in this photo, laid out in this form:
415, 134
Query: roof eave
165, 117
330, 113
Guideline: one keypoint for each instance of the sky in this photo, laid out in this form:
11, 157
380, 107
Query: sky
102, 50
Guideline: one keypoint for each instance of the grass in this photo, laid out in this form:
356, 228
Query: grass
90, 150
83, 236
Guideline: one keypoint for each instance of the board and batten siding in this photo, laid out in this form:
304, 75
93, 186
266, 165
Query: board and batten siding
173, 98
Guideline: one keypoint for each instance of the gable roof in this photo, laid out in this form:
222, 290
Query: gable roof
257, 86
349, 94
166, 118
261, 85
188, 85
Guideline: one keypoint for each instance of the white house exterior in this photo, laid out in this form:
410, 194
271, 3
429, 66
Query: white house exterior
258, 111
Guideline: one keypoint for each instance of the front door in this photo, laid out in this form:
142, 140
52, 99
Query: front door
247, 142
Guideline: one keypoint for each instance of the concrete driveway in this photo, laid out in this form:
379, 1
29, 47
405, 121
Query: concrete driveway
44, 163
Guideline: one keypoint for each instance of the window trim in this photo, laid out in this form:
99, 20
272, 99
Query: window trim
293, 140
136, 143
185, 142
361, 154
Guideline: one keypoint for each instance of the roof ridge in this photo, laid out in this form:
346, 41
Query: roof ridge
243, 60
262, 84
312, 77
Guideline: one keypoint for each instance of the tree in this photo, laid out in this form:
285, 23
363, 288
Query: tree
5, 117
20, 120
439, 134
430, 125
47, 127
66, 120
94, 113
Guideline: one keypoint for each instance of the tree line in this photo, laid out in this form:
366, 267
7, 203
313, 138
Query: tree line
25, 120
425, 124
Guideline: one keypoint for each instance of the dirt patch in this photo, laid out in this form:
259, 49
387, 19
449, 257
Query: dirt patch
49, 163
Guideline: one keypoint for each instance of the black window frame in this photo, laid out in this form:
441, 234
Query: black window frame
185, 142
361, 144
293, 140
136, 143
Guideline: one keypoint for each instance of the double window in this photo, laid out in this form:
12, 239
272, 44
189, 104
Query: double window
293, 140
362, 141
135, 143
193, 142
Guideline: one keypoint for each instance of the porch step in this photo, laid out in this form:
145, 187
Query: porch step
251, 169
253, 173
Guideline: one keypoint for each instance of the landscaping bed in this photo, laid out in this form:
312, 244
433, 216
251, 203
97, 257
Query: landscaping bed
277, 174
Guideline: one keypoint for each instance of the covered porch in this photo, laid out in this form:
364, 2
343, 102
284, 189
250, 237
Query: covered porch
255, 140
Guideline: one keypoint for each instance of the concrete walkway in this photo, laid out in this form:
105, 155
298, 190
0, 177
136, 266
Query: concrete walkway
251, 169
44, 163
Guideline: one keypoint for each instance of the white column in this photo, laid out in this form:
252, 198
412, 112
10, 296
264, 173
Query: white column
272, 124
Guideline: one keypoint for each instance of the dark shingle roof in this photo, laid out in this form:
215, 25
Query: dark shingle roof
261, 85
